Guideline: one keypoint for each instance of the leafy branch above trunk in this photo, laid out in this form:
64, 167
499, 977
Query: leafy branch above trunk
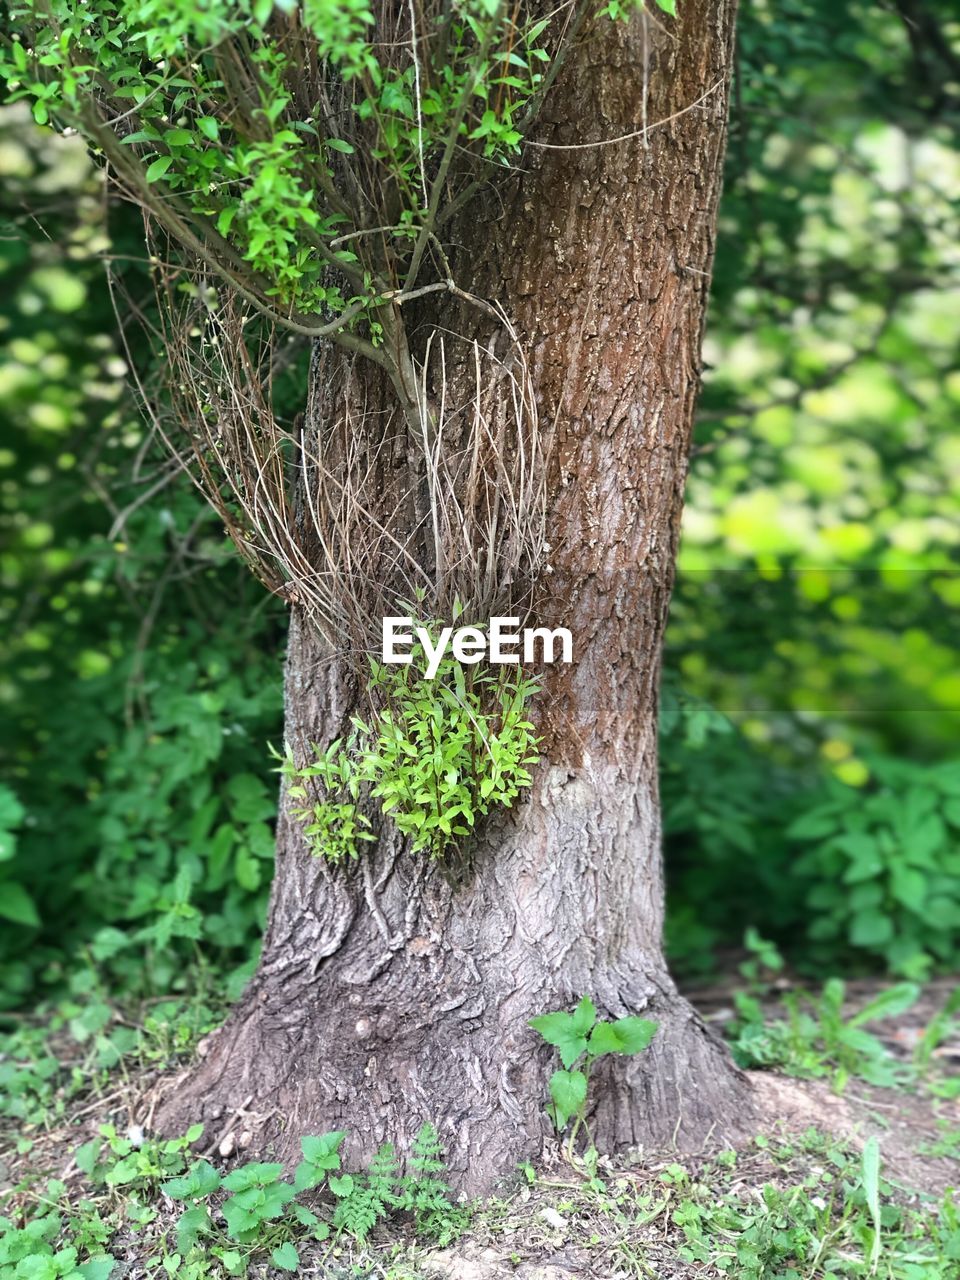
298, 165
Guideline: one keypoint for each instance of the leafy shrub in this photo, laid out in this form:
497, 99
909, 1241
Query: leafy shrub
334, 827
726, 807
438, 756
15, 901
362, 1202
865, 876
883, 874
365, 1199
445, 751
140, 666
29, 1253
263, 1211
265, 180
164, 836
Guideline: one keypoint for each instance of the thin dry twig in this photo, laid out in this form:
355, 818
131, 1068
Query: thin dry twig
321, 510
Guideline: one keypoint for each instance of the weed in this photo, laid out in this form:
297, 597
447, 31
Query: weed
580, 1040
816, 1039
133, 1162
942, 1025
947, 1146
438, 756
263, 1214
30, 1253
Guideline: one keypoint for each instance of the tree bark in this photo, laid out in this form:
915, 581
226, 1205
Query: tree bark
399, 990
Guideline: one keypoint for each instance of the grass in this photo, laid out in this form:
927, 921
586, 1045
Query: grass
77, 1049
88, 1183
781, 1209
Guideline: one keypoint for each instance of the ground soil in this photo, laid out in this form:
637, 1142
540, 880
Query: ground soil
552, 1228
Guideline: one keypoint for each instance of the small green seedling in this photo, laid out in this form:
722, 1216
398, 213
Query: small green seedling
580, 1038
263, 1217
133, 1162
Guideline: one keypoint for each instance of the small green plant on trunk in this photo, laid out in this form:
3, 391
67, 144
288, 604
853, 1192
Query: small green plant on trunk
435, 757
582, 1039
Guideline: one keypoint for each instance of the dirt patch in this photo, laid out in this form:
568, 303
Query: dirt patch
906, 1125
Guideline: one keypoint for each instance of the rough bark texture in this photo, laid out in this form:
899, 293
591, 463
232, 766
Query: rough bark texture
398, 992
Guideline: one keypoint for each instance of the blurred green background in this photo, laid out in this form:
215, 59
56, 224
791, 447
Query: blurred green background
811, 707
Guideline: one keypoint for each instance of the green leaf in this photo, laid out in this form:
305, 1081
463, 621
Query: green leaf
870, 1167
866, 859
319, 1157
12, 811
17, 905
342, 1187
817, 824
209, 127
888, 1004
668, 6
870, 929
322, 1151
286, 1257
247, 870
86, 1156
252, 1175
98, 1268
567, 1031
191, 1225
925, 841
626, 1035
276, 1197
833, 994
306, 1217
338, 144
200, 1180
568, 1089
158, 168
225, 219
239, 1219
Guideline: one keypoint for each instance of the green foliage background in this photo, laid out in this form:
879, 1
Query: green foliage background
140, 663
811, 771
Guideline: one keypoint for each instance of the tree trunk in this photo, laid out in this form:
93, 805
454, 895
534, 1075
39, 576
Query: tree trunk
399, 990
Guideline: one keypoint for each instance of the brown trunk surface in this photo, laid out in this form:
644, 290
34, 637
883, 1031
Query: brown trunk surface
396, 991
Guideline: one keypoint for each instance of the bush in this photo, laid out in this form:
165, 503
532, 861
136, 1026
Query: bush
883, 872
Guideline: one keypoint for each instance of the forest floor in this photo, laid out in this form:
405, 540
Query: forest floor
795, 1203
